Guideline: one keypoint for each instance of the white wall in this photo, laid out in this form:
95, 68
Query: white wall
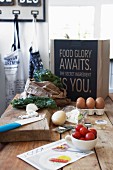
6, 40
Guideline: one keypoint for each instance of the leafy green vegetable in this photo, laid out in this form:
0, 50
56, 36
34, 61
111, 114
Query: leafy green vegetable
80, 116
46, 75
40, 102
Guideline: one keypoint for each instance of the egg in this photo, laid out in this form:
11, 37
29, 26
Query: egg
99, 103
90, 103
59, 117
80, 103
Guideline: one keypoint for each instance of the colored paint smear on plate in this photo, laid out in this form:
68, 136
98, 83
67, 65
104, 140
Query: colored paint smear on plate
61, 159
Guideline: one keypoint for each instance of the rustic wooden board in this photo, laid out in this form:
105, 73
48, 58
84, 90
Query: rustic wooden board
35, 131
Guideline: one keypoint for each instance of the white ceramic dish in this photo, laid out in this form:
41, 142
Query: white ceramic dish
80, 144
101, 123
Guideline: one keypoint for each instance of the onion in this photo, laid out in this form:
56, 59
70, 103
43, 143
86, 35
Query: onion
59, 117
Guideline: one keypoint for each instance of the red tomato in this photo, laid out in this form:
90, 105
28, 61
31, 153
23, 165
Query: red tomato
83, 131
82, 138
78, 127
76, 135
90, 136
93, 131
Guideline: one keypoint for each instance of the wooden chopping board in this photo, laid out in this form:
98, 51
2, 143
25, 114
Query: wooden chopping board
35, 131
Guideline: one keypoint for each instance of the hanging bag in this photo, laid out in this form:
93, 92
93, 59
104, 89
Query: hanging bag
35, 59
13, 66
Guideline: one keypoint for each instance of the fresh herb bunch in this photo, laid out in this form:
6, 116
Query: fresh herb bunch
40, 102
46, 75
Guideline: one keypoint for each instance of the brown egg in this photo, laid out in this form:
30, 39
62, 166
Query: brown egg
90, 103
99, 103
80, 103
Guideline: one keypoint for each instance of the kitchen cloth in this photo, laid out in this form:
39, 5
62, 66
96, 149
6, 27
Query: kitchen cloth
13, 65
35, 59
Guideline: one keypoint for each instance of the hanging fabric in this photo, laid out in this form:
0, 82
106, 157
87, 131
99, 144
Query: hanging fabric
13, 66
35, 59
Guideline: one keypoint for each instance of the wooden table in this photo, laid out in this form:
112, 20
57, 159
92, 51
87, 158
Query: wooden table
100, 160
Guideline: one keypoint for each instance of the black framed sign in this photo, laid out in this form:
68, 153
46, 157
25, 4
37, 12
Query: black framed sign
24, 9
79, 64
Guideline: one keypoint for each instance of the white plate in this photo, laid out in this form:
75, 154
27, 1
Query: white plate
43, 162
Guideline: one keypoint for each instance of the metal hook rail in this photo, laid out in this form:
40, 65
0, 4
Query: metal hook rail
16, 13
34, 13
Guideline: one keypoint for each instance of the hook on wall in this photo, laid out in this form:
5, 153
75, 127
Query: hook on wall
34, 13
16, 13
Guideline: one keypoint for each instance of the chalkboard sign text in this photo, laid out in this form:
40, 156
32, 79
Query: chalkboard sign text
75, 62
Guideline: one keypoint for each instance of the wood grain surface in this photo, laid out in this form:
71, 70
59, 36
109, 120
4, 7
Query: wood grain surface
100, 160
34, 131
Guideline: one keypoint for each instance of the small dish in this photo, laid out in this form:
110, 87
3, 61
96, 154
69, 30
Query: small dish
81, 145
101, 123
